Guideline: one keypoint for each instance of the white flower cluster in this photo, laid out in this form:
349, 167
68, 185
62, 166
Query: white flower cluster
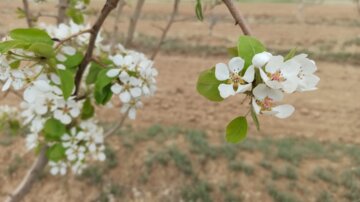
82, 144
134, 77
43, 101
275, 77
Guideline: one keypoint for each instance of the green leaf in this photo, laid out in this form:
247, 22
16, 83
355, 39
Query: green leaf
56, 152
255, 119
67, 82
103, 87
248, 47
233, 51
15, 64
13, 44
87, 110
207, 85
291, 54
236, 130
93, 73
199, 11
73, 61
54, 129
31, 35
104, 95
42, 49
76, 15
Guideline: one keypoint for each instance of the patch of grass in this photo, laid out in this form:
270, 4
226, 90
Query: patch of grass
92, 175
199, 191
199, 144
266, 165
240, 166
351, 181
324, 197
111, 158
14, 165
289, 172
326, 176
181, 160
354, 41
281, 196
116, 190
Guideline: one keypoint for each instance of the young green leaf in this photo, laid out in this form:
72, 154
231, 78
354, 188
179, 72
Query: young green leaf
76, 15
198, 10
67, 82
56, 152
73, 61
31, 35
236, 130
207, 85
233, 51
15, 64
42, 49
93, 73
248, 47
103, 91
291, 54
255, 119
54, 129
13, 44
87, 110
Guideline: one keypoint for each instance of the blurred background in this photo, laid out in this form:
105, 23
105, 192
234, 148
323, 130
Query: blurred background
175, 150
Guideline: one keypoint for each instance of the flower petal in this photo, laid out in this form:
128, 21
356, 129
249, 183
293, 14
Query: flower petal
249, 74
236, 64
113, 73
135, 92
125, 96
284, 111
226, 90
274, 64
260, 59
256, 107
244, 88
222, 72
261, 91
116, 88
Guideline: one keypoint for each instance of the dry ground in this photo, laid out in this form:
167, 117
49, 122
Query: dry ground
330, 114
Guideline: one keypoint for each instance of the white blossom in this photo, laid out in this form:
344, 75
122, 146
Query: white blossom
307, 79
265, 99
57, 168
231, 74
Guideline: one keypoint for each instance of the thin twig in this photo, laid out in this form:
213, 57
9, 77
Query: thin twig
62, 6
27, 13
115, 36
133, 21
108, 7
71, 37
167, 28
118, 125
239, 19
26, 184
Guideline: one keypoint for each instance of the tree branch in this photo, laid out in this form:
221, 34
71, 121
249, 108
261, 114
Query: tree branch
115, 36
32, 175
118, 125
71, 37
27, 13
133, 21
108, 7
167, 28
62, 6
239, 19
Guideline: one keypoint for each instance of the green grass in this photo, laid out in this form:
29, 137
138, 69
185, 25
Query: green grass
281, 196
92, 175
240, 166
288, 172
198, 191
326, 175
14, 165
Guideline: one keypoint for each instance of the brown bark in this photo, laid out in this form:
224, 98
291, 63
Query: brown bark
62, 7
167, 28
32, 175
239, 19
133, 22
108, 7
27, 13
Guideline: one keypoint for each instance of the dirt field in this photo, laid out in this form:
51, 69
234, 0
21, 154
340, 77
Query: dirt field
329, 116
